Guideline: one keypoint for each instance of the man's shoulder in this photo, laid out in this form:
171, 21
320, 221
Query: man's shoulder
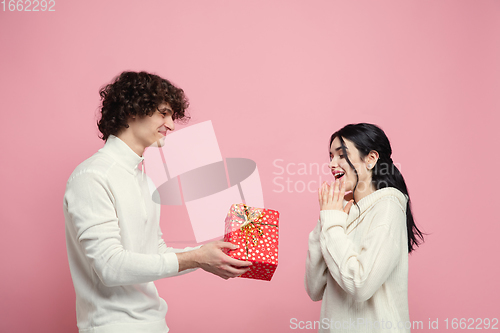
99, 164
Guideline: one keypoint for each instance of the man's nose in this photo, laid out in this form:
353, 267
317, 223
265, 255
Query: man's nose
169, 123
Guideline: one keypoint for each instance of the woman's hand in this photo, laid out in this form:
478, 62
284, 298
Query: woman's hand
331, 196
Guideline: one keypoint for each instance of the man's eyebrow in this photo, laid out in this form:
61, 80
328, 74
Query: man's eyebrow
166, 109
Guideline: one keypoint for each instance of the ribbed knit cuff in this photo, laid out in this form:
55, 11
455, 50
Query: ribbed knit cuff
171, 264
333, 218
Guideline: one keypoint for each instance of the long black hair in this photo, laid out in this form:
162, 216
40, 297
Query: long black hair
367, 138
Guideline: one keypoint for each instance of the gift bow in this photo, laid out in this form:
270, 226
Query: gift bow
252, 226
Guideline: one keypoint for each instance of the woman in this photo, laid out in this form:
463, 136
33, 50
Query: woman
357, 261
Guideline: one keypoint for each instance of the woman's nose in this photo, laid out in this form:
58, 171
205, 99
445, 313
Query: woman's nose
333, 163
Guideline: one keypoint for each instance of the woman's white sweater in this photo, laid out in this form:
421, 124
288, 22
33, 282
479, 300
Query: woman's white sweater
357, 264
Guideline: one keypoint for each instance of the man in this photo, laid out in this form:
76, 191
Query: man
114, 243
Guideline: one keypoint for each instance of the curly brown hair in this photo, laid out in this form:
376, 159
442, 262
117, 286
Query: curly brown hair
137, 94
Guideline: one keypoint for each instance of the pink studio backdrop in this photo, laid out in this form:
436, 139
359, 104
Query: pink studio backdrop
276, 78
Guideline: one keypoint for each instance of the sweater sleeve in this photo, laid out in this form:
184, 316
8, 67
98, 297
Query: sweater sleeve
316, 269
90, 204
361, 271
163, 248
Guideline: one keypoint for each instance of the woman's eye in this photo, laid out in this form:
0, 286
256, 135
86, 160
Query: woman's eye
341, 156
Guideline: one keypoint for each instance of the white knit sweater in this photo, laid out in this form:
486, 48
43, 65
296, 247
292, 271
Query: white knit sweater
357, 264
114, 244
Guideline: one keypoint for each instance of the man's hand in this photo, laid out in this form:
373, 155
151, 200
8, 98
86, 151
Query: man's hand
212, 259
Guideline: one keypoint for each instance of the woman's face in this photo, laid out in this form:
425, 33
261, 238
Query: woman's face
340, 168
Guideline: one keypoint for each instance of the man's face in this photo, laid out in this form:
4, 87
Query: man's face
150, 130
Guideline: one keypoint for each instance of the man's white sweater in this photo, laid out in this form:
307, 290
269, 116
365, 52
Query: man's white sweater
114, 244
357, 264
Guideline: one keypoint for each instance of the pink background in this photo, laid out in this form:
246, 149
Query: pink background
276, 78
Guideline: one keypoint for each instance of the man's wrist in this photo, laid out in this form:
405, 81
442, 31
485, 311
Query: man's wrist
188, 260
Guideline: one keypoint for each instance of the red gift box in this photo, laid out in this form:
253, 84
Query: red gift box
255, 231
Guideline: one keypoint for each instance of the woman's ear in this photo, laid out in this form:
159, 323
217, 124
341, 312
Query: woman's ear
371, 159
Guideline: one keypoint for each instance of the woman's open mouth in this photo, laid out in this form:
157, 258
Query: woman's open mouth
338, 174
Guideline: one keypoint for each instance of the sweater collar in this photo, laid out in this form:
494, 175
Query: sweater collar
122, 153
372, 198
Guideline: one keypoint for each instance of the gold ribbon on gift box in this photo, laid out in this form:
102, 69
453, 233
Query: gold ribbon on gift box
252, 227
